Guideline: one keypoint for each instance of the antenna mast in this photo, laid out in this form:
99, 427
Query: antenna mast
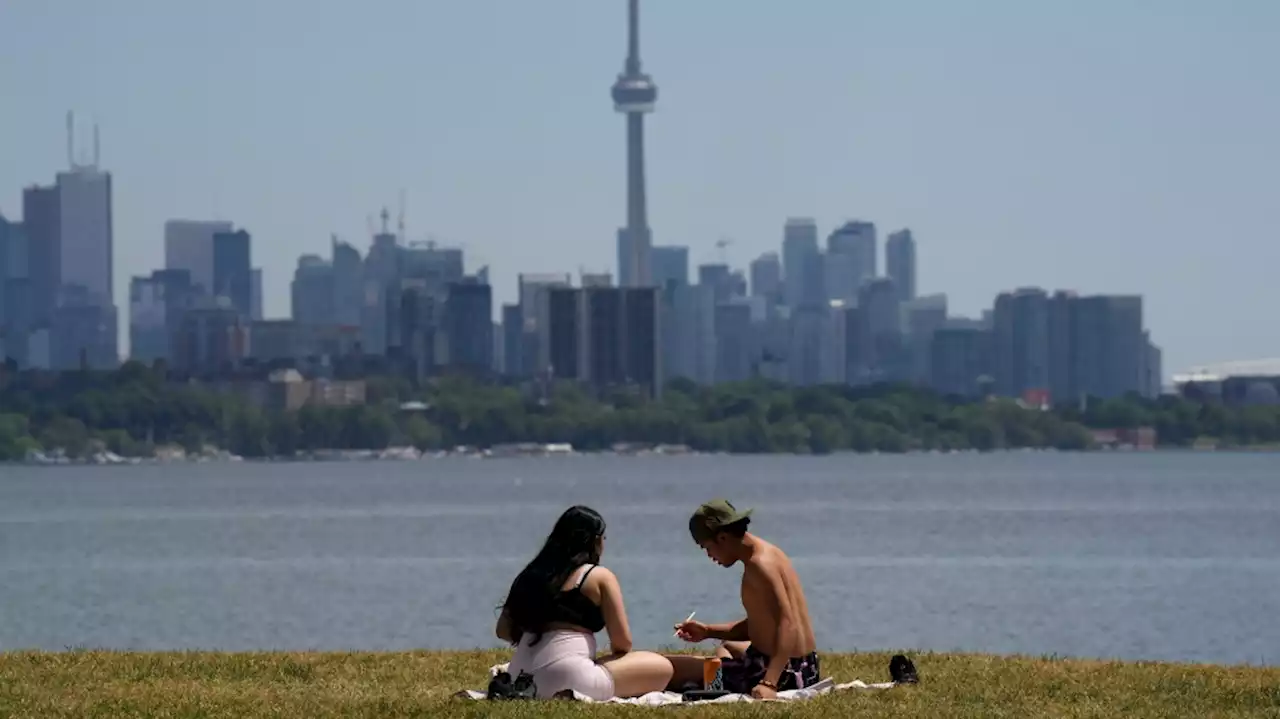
400, 219
71, 142
96, 147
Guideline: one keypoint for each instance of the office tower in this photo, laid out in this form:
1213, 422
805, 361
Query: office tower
312, 291
70, 262
15, 292
348, 282
923, 316
210, 341
1020, 343
605, 336
880, 338
670, 264
535, 358
41, 217
834, 349
766, 277
960, 361
850, 261
188, 245
233, 271
718, 278
802, 263
634, 95
1155, 370
512, 342
1109, 346
735, 343
469, 326
900, 263
688, 333
255, 294
157, 304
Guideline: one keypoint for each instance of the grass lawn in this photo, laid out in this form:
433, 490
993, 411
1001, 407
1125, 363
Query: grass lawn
420, 684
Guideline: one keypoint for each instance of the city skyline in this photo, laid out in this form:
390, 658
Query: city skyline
1031, 249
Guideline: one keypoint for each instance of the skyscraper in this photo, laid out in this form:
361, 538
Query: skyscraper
900, 263
669, 264
851, 259
802, 263
188, 245
233, 271
634, 95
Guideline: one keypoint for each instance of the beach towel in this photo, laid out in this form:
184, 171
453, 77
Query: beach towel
826, 686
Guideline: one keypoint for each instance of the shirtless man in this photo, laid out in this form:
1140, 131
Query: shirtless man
773, 648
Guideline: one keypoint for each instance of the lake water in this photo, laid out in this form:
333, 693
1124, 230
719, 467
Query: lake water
1144, 555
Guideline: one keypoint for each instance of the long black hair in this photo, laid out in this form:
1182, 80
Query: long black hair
531, 602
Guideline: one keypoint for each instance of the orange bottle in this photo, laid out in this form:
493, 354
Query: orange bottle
712, 678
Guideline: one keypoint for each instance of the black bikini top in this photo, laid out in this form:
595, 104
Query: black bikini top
574, 607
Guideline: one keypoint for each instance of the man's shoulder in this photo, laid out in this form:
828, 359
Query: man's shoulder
769, 558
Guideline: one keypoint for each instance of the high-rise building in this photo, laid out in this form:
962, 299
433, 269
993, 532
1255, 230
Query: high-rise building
41, 216
469, 326
766, 277
83, 333
348, 281
850, 260
535, 356
880, 337
923, 316
15, 293
688, 333
157, 304
188, 245
255, 294
634, 95
670, 265
86, 246
719, 278
1020, 342
900, 263
802, 264
605, 336
512, 341
960, 361
312, 291
71, 248
735, 343
210, 341
233, 270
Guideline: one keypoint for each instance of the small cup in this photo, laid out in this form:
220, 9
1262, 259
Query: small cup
712, 674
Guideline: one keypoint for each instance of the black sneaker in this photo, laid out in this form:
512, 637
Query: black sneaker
902, 671
501, 687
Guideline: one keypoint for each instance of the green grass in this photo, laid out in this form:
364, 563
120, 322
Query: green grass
420, 684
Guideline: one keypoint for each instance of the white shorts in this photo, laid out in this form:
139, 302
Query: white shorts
563, 660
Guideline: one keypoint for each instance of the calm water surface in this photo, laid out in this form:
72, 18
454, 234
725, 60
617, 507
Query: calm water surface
1164, 556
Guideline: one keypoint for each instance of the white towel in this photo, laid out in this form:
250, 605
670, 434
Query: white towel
654, 699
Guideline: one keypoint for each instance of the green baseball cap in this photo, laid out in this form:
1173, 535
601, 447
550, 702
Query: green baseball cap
714, 516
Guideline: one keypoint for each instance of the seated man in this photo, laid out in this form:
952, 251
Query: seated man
773, 648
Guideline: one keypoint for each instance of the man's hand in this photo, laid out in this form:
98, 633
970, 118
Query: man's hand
692, 631
761, 691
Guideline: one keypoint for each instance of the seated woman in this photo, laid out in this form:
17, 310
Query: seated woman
555, 607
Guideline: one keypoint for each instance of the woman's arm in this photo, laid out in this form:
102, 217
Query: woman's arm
503, 630
615, 613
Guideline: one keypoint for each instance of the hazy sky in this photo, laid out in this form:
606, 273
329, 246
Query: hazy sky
1100, 145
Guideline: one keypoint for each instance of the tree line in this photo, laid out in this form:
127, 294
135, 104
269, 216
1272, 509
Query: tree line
133, 410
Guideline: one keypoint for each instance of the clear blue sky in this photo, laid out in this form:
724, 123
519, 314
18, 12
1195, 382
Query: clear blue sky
1101, 145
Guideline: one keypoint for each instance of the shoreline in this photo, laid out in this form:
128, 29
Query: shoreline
423, 683
410, 454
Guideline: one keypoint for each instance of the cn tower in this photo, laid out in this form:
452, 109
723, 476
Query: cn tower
634, 95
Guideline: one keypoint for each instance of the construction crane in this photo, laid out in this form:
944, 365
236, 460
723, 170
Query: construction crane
722, 245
